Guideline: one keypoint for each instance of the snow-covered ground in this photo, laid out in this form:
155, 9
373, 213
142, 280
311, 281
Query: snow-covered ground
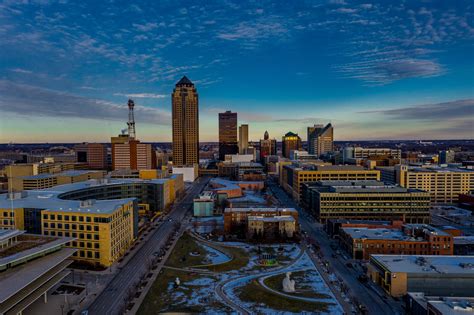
214, 256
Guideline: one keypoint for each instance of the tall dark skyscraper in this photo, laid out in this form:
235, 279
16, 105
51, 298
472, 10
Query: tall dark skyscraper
228, 143
290, 141
185, 103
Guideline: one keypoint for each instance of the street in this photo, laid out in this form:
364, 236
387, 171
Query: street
112, 298
364, 294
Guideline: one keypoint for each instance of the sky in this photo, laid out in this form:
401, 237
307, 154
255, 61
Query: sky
375, 70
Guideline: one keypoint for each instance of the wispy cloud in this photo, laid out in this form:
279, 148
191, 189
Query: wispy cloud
36, 101
460, 109
19, 70
142, 95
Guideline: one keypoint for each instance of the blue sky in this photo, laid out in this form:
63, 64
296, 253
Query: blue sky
376, 70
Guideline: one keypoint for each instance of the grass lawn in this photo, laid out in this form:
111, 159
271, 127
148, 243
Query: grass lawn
180, 257
302, 289
240, 259
253, 292
160, 300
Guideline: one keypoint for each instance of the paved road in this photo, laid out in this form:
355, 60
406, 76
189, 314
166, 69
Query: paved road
111, 300
363, 293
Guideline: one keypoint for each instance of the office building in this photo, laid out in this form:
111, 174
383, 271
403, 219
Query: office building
185, 103
237, 220
417, 303
130, 154
228, 143
408, 239
320, 139
445, 184
270, 227
16, 171
30, 265
94, 154
290, 141
293, 176
243, 139
365, 200
46, 180
446, 156
101, 214
204, 204
267, 147
382, 156
431, 275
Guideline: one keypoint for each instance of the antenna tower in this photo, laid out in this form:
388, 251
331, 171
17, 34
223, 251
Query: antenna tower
131, 119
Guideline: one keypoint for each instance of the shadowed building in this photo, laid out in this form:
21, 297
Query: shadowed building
243, 139
185, 105
228, 143
267, 147
291, 141
320, 139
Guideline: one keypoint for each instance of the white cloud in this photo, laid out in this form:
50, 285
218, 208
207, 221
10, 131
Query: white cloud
141, 95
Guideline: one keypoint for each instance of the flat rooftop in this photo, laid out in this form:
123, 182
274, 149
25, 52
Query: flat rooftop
391, 234
277, 218
289, 210
438, 169
50, 199
71, 173
427, 264
444, 304
368, 186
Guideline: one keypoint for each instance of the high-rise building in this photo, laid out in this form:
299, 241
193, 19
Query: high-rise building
320, 139
243, 139
130, 154
290, 141
185, 105
227, 134
94, 154
446, 156
267, 147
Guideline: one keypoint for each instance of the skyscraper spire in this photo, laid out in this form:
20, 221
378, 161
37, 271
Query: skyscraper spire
131, 119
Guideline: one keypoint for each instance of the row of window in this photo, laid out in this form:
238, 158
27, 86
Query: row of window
73, 234
68, 226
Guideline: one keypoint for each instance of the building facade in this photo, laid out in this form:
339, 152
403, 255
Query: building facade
267, 147
409, 239
365, 200
133, 155
185, 113
228, 142
289, 142
243, 139
320, 139
293, 176
444, 184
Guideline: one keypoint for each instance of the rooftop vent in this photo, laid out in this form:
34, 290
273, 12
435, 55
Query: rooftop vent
17, 195
86, 203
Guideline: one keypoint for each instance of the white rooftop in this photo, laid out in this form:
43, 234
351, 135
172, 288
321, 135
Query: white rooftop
277, 218
427, 264
289, 210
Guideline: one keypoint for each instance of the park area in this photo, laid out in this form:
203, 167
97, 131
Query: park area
203, 276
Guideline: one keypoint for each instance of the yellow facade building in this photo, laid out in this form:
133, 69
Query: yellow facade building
444, 184
292, 177
104, 229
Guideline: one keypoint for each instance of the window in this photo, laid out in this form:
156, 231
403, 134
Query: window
45, 216
66, 217
88, 228
73, 218
96, 228
97, 255
96, 237
81, 219
60, 217
88, 219
66, 226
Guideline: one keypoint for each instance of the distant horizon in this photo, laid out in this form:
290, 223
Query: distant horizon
217, 142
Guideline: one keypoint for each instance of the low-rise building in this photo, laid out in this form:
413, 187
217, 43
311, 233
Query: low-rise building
417, 303
237, 218
409, 239
365, 200
261, 227
294, 176
45, 180
431, 275
30, 265
204, 204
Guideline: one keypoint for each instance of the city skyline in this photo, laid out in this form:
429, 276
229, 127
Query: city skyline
374, 71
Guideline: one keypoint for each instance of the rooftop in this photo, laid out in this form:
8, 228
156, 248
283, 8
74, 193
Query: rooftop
71, 173
445, 305
392, 234
368, 186
277, 218
427, 264
184, 81
439, 169
289, 210
50, 199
